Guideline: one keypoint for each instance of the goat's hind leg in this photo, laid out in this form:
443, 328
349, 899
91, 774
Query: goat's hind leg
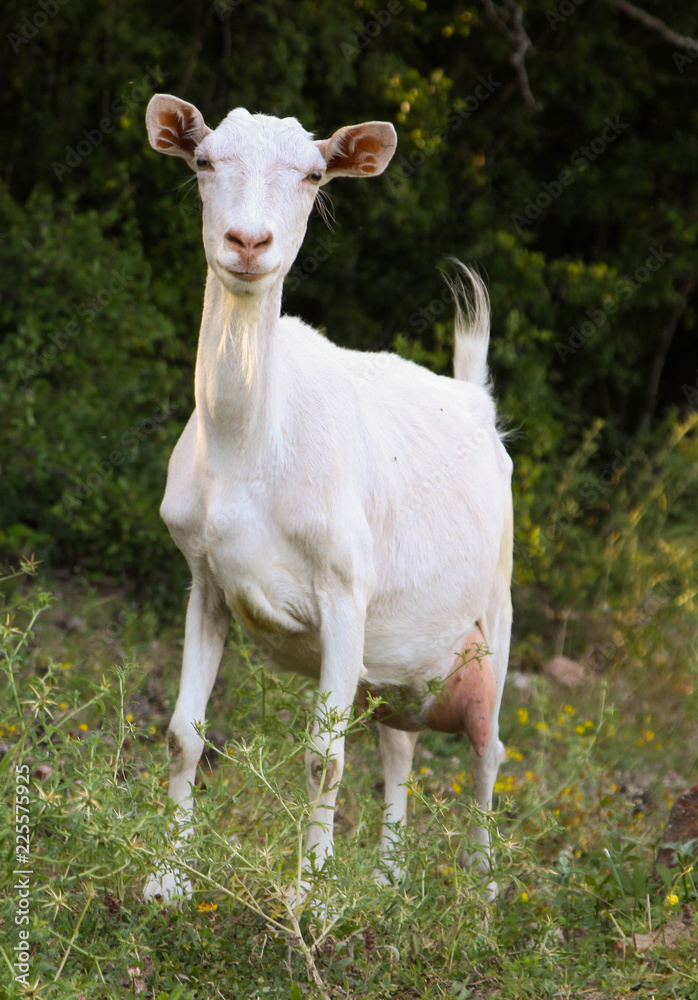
206, 627
496, 628
397, 751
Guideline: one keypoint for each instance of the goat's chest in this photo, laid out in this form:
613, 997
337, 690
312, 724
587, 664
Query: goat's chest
261, 570
250, 538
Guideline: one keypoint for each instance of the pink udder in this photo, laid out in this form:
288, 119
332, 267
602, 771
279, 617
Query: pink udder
463, 704
467, 699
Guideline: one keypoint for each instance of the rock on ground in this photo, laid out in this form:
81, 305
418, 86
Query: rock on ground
681, 827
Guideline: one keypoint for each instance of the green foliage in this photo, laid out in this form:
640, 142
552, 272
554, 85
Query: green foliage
573, 848
90, 389
579, 317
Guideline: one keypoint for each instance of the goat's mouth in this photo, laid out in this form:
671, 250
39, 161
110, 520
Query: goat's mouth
247, 275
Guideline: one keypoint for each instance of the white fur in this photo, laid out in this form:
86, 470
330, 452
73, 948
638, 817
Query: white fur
358, 525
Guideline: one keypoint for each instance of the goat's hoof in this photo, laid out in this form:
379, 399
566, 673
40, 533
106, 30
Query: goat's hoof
167, 887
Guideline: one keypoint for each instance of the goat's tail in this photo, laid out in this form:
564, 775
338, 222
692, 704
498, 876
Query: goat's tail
472, 325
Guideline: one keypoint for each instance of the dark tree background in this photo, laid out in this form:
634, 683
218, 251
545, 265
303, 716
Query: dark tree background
554, 144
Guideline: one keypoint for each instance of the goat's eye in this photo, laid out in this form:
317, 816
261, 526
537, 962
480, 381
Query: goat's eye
315, 177
202, 162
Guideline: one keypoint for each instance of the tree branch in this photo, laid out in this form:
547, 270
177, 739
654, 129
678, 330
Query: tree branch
508, 18
649, 21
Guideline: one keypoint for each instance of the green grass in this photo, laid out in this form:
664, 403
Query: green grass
580, 806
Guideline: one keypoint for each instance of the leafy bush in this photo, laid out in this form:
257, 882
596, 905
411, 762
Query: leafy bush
90, 394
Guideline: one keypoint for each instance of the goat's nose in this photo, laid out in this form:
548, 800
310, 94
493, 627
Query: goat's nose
247, 243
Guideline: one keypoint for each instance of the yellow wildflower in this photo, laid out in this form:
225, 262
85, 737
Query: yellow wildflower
522, 715
671, 899
83, 726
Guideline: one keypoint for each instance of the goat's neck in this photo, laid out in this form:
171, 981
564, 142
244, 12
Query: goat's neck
237, 384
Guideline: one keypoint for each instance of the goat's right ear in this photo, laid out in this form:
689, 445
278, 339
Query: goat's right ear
174, 126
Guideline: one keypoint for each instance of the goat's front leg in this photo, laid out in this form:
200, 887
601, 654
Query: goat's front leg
207, 623
342, 644
397, 751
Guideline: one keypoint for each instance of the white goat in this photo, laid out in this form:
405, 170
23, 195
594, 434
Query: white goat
362, 526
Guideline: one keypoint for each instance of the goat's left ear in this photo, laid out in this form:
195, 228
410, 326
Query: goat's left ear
174, 126
358, 150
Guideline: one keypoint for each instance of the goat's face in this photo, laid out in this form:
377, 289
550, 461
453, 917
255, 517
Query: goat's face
259, 177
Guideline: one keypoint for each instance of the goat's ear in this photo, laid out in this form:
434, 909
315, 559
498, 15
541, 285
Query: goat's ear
174, 127
358, 150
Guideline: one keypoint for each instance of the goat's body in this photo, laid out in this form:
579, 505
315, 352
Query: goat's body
352, 511
394, 475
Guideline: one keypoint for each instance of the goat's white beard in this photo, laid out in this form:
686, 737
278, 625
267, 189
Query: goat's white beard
240, 332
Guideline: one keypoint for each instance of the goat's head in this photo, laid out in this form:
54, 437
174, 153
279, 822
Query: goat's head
259, 177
